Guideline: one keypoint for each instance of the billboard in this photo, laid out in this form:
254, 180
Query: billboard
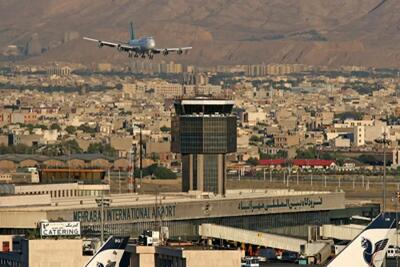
60, 228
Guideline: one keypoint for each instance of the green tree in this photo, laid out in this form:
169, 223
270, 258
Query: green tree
41, 126
328, 156
164, 173
281, 154
369, 159
86, 128
99, 148
17, 149
95, 148
154, 156
4, 149
252, 161
158, 172
70, 129
22, 149
165, 129
310, 153
255, 139
71, 147
350, 115
55, 126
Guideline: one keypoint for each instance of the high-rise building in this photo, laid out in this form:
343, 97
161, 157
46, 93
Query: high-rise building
204, 131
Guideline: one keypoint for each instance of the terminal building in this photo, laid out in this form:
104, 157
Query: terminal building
203, 132
182, 213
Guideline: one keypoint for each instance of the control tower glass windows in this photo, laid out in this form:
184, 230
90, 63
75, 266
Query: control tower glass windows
211, 173
214, 135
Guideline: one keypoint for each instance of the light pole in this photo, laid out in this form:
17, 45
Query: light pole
384, 171
101, 203
141, 154
384, 141
396, 198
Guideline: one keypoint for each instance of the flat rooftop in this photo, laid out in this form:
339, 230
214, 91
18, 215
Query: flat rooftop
203, 106
134, 199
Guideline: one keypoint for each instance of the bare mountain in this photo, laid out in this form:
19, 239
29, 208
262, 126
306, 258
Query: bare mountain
334, 32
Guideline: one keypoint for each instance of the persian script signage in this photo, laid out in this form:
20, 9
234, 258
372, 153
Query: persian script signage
60, 228
271, 204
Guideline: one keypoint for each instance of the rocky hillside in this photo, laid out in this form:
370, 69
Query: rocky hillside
335, 32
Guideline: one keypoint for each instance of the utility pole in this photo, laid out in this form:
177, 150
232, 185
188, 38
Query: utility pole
384, 141
270, 175
131, 171
101, 203
133, 166
140, 154
384, 171
397, 198
119, 180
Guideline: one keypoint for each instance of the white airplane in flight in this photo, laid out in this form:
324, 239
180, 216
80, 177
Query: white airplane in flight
145, 46
369, 248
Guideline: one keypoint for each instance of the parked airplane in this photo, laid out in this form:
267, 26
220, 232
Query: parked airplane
110, 254
369, 248
145, 46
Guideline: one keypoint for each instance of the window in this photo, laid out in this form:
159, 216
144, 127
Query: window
6, 246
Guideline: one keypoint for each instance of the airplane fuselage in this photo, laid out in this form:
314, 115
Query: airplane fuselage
143, 44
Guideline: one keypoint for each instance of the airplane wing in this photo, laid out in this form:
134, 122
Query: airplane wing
166, 51
119, 46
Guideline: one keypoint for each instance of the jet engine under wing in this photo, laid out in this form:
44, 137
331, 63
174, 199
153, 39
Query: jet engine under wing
119, 46
166, 51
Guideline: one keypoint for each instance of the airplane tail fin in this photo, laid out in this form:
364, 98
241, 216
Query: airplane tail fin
133, 35
368, 248
110, 253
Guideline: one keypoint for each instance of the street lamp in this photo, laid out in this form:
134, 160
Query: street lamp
396, 198
101, 203
384, 141
140, 126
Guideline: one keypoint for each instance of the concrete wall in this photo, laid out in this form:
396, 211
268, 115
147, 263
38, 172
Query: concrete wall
26, 200
143, 256
20, 219
60, 253
183, 257
216, 258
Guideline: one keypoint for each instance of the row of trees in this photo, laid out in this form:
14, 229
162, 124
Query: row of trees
64, 148
159, 172
55, 126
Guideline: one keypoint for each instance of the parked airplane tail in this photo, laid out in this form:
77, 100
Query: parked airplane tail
369, 248
110, 253
133, 35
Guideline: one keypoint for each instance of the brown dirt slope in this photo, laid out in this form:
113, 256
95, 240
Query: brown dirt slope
335, 32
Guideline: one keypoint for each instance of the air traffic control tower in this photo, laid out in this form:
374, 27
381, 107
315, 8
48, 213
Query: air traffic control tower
203, 132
